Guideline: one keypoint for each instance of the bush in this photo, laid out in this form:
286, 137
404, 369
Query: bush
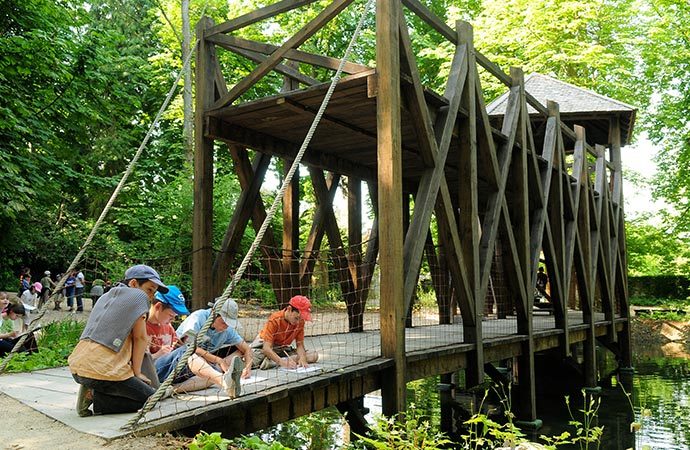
55, 343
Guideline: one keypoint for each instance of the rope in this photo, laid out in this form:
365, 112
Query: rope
155, 398
96, 226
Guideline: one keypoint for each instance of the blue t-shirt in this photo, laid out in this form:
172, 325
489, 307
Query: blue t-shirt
213, 340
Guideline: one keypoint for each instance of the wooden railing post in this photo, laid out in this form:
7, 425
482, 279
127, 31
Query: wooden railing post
202, 234
390, 202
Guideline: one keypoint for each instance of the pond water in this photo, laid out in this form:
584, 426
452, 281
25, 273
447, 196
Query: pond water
660, 404
660, 398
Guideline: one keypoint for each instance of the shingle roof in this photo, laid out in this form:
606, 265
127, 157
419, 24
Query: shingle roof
572, 100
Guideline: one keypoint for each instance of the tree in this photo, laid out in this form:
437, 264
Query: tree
666, 71
655, 250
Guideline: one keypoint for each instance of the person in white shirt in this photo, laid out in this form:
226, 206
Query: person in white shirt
79, 289
30, 296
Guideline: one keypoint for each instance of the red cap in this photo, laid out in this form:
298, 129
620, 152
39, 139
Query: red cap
303, 304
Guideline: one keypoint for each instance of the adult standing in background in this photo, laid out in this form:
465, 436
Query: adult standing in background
79, 283
96, 291
69, 290
48, 286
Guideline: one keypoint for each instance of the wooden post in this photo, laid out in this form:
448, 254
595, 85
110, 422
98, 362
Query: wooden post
390, 202
354, 241
468, 205
620, 280
202, 234
290, 276
446, 396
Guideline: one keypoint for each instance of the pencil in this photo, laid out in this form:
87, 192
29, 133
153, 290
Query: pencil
287, 356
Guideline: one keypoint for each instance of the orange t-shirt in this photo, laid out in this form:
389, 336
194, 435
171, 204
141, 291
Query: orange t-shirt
279, 331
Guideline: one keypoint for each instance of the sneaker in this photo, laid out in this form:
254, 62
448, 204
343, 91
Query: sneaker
84, 400
231, 379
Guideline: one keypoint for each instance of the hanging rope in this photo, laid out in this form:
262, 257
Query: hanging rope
155, 398
96, 226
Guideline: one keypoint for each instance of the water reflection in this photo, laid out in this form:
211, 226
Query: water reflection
661, 399
662, 391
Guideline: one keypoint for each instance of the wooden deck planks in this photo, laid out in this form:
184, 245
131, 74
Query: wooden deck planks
344, 356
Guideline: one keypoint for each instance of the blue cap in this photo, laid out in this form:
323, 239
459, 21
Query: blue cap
175, 299
144, 272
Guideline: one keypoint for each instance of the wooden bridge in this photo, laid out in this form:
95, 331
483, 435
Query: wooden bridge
351, 364
507, 187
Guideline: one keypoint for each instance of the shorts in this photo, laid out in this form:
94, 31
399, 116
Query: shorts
260, 361
167, 363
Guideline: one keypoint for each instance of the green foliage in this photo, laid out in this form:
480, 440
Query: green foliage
587, 434
316, 431
206, 441
655, 250
423, 395
255, 443
484, 432
55, 343
665, 52
256, 290
409, 430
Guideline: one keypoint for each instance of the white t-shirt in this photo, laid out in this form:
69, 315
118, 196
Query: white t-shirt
29, 298
79, 281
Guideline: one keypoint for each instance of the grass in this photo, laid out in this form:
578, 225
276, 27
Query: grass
669, 309
55, 343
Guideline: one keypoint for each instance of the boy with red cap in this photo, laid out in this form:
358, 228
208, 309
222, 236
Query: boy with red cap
273, 346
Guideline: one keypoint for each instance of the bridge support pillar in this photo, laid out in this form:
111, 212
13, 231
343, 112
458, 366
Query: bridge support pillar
446, 394
354, 414
390, 195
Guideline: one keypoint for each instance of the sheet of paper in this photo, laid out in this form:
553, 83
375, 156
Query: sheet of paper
303, 369
252, 379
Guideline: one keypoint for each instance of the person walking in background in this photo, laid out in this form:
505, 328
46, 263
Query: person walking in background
79, 284
69, 290
48, 286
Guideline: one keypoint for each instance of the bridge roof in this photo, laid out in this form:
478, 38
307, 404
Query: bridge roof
577, 105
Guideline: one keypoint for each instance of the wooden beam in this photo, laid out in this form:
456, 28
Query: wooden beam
372, 251
468, 181
543, 179
264, 143
234, 42
258, 15
245, 174
202, 235
318, 228
338, 256
493, 209
354, 241
244, 209
390, 195
290, 254
295, 41
280, 68
432, 19
438, 146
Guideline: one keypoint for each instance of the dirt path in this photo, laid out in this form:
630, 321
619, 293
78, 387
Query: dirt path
26, 428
